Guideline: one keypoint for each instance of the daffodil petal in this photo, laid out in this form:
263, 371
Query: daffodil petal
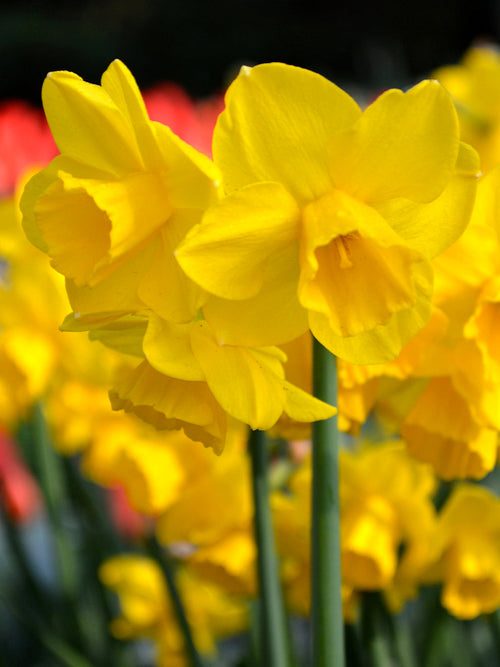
167, 347
193, 179
165, 288
122, 88
244, 387
302, 407
384, 342
277, 304
168, 403
277, 122
431, 228
354, 269
88, 126
151, 475
116, 292
38, 185
404, 145
228, 251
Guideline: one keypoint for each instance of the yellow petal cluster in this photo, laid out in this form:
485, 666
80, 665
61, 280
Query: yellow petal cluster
442, 393
110, 211
146, 611
475, 86
386, 508
346, 208
467, 552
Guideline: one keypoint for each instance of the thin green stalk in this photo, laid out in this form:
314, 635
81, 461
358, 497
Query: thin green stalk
275, 650
52, 483
12, 532
404, 642
386, 637
326, 585
354, 653
100, 541
377, 632
163, 561
493, 621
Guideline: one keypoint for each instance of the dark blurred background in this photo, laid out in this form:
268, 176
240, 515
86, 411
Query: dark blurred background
200, 44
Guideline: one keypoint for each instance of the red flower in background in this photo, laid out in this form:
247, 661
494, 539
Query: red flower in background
131, 524
18, 490
192, 121
25, 141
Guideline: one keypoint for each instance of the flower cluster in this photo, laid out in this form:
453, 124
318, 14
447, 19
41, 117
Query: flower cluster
203, 272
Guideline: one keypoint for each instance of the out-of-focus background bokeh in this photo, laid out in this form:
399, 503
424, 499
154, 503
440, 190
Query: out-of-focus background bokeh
199, 44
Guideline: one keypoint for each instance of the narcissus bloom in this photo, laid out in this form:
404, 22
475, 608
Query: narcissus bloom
112, 207
467, 551
386, 504
146, 610
346, 208
110, 212
454, 420
475, 86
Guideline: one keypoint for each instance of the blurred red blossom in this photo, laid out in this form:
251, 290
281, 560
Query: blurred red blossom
193, 121
129, 523
25, 141
19, 493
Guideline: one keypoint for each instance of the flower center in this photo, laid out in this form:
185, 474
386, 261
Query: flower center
344, 251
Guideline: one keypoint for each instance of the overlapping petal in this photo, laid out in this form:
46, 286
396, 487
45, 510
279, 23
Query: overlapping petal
404, 145
104, 138
228, 252
277, 122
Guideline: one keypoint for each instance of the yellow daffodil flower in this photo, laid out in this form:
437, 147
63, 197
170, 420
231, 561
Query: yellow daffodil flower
467, 552
123, 193
146, 611
342, 208
386, 504
475, 86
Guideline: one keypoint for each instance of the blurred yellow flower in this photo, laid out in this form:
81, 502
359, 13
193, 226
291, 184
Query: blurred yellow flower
466, 547
146, 610
387, 517
475, 86
385, 505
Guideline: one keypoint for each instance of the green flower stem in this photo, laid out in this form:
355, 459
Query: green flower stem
326, 584
273, 625
377, 632
386, 637
52, 483
100, 541
493, 621
12, 532
163, 560
354, 653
